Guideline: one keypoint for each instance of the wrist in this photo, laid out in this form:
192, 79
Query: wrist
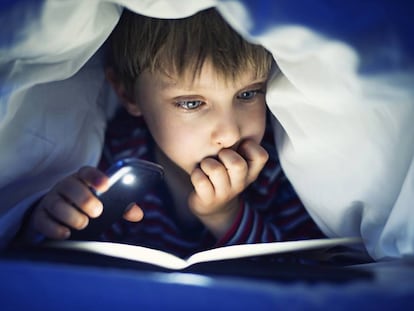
219, 223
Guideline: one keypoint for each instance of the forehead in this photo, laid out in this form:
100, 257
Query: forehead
206, 78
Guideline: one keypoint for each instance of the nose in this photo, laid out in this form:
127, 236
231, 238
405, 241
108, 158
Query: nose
226, 132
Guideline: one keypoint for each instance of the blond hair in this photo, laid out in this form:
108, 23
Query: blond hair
176, 46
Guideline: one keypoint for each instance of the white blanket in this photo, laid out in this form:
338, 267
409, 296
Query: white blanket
344, 103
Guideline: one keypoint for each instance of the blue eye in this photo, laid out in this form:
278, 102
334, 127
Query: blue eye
246, 95
189, 104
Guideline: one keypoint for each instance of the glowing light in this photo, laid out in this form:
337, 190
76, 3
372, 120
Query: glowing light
128, 179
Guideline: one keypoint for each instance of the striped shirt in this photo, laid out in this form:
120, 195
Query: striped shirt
269, 209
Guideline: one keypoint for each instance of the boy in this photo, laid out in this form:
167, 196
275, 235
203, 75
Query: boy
195, 94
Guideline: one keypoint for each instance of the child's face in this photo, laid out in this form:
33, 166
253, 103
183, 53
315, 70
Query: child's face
194, 119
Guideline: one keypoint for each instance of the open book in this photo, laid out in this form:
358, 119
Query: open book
169, 261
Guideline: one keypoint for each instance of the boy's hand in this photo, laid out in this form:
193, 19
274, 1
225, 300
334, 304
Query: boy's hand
70, 204
217, 184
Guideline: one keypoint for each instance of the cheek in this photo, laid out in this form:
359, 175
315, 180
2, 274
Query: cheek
254, 124
180, 143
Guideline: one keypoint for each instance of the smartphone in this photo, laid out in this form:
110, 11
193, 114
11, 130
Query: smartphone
129, 180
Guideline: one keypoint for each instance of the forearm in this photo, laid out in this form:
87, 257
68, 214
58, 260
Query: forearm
221, 222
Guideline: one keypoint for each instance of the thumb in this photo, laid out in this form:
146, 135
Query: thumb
133, 213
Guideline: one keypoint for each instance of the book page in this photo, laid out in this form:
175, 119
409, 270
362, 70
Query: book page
125, 251
169, 261
261, 249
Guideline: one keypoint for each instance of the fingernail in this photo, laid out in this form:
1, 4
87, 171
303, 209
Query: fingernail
98, 210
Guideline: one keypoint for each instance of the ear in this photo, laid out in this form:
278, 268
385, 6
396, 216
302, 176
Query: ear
126, 97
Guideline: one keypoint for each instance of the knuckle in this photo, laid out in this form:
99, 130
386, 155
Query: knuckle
208, 163
53, 205
201, 183
237, 162
263, 155
213, 167
238, 165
